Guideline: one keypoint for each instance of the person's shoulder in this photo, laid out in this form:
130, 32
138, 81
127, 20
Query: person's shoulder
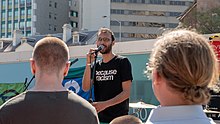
121, 58
79, 100
13, 101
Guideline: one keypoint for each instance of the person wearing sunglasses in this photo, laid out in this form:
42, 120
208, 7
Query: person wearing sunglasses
113, 77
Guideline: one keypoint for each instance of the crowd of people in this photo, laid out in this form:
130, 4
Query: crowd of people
183, 67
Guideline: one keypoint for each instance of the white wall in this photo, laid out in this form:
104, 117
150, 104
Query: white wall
93, 12
132, 47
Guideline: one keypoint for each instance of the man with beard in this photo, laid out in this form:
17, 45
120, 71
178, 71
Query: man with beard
112, 81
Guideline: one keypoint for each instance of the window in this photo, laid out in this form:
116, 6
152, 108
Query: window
3, 27
9, 14
22, 3
3, 4
16, 14
16, 3
157, 2
28, 1
29, 23
55, 4
74, 13
50, 27
22, 13
9, 4
3, 35
28, 33
175, 14
9, 35
50, 15
50, 3
16, 26
22, 24
3, 14
9, 26
181, 3
55, 16
74, 24
29, 12
55, 28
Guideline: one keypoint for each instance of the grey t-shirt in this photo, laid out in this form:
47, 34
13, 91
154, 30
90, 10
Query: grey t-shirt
63, 107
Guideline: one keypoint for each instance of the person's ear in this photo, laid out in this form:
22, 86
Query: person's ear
33, 66
66, 70
113, 42
156, 78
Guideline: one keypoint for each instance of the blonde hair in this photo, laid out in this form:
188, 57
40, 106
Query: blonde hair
51, 54
187, 62
126, 119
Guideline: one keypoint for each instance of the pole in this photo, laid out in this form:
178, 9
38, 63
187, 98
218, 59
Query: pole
119, 31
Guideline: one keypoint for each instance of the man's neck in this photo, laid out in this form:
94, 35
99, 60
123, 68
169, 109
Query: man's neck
107, 57
48, 83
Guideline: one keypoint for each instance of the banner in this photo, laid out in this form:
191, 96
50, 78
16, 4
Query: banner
73, 81
9, 90
215, 42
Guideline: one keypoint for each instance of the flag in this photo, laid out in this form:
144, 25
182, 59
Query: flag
73, 81
9, 90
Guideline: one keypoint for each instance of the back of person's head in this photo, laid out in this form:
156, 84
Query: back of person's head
50, 54
187, 62
126, 119
107, 30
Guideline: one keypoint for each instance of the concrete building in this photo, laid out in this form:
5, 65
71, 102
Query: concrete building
32, 16
19, 43
129, 19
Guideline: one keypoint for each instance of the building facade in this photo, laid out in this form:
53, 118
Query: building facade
32, 16
130, 19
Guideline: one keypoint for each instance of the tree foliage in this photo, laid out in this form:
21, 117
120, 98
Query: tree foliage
209, 21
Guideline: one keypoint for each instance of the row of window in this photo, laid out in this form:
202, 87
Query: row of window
144, 24
9, 34
16, 13
136, 35
52, 15
52, 27
161, 2
51, 4
16, 25
10, 2
144, 13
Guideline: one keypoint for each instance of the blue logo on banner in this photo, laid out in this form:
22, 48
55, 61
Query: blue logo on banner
76, 86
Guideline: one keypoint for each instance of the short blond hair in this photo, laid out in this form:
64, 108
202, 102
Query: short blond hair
51, 54
126, 119
187, 62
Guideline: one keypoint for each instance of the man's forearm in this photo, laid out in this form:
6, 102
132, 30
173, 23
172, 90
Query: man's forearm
86, 78
118, 99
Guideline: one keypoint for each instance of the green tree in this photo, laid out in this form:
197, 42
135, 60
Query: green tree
209, 21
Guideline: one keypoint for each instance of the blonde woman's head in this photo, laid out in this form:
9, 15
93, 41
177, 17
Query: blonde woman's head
188, 64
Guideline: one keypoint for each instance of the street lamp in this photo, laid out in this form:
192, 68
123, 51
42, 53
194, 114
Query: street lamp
119, 26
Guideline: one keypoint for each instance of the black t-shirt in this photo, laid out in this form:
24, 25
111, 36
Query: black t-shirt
63, 107
108, 83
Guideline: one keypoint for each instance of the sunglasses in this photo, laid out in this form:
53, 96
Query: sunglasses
105, 39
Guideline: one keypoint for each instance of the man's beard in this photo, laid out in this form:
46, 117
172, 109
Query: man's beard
107, 49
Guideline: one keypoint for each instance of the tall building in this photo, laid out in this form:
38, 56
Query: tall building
32, 16
130, 19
